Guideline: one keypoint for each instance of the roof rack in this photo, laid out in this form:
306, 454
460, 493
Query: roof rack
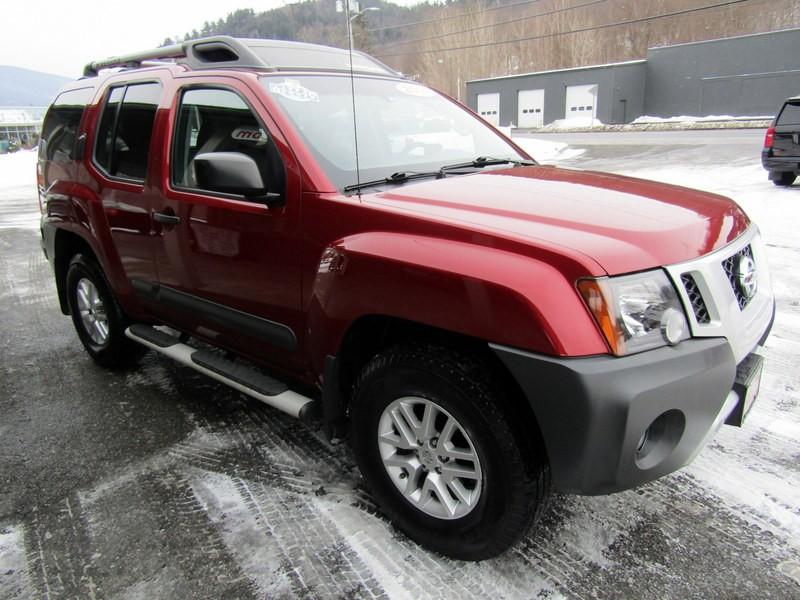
211, 52
228, 52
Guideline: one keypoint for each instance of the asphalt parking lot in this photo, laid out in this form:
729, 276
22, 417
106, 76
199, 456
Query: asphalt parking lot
159, 483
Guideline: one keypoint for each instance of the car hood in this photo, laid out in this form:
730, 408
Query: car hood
623, 224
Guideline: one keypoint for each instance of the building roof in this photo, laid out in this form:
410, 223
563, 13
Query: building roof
631, 62
724, 39
586, 68
19, 117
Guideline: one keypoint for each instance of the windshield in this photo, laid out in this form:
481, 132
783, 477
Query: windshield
402, 126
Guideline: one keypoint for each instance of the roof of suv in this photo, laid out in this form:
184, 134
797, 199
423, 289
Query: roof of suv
225, 52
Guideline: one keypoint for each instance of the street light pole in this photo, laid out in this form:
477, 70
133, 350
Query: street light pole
354, 17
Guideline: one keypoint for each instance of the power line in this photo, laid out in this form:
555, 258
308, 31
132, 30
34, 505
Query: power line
469, 14
498, 24
560, 33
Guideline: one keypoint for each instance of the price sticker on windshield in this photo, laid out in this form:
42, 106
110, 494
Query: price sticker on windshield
293, 90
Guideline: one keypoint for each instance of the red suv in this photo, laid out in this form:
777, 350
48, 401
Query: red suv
345, 244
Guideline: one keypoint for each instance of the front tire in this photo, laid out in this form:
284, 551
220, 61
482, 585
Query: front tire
784, 179
98, 319
434, 439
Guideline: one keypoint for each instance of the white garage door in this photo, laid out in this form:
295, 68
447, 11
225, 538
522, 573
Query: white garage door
581, 102
530, 108
489, 107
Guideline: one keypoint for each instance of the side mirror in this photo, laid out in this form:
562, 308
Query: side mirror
233, 173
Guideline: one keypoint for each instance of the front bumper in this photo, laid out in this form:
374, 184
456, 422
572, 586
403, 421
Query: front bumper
593, 411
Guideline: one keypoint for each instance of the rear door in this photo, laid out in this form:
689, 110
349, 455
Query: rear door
228, 266
120, 158
787, 131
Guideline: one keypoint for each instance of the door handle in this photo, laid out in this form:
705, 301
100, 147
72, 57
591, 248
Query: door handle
166, 218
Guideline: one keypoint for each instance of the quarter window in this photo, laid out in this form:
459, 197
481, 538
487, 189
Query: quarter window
218, 120
60, 127
126, 128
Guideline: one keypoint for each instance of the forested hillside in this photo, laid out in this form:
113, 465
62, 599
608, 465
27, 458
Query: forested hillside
449, 43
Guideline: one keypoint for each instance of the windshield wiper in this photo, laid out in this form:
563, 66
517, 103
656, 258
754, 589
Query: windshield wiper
393, 178
487, 161
403, 176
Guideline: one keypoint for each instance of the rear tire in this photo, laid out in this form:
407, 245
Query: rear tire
98, 319
464, 481
784, 179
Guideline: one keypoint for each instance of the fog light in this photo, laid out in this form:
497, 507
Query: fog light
660, 439
673, 326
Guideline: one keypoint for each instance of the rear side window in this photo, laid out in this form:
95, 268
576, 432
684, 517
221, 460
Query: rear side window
125, 130
790, 115
218, 120
60, 128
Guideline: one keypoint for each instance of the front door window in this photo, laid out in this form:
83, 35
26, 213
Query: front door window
218, 120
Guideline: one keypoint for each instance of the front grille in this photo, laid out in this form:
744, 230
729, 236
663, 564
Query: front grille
729, 264
696, 298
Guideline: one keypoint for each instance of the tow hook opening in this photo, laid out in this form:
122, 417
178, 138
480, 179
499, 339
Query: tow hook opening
660, 439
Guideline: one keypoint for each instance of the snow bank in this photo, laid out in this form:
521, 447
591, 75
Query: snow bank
647, 120
579, 122
18, 168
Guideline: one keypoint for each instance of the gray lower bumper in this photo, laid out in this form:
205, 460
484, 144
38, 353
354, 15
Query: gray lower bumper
781, 164
594, 411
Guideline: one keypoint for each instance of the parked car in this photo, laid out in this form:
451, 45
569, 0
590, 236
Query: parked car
483, 328
781, 153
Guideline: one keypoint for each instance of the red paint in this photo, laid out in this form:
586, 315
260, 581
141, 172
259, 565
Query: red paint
494, 255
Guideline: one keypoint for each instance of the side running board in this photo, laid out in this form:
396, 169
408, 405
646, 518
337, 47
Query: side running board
240, 377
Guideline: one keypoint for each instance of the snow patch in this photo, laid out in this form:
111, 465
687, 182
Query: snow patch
245, 533
13, 566
548, 151
403, 570
18, 168
576, 123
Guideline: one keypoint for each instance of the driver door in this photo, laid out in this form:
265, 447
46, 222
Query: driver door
228, 267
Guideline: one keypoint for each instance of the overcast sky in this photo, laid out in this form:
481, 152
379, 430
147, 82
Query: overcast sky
61, 36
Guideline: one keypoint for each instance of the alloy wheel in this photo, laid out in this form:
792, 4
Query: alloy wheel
92, 311
430, 458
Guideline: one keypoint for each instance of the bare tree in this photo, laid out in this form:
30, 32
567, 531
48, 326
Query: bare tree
432, 59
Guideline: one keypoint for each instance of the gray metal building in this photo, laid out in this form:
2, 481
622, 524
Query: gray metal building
741, 76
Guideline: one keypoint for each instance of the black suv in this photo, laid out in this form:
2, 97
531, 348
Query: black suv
781, 153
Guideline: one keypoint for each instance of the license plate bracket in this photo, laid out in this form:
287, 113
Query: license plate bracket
747, 386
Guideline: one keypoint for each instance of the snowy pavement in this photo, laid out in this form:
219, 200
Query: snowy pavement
159, 483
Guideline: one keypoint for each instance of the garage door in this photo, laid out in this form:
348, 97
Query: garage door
489, 107
530, 108
581, 102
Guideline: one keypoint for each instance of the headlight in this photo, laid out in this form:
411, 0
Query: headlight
636, 312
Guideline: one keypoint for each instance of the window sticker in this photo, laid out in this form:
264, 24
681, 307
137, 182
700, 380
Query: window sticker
293, 90
250, 134
415, 90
